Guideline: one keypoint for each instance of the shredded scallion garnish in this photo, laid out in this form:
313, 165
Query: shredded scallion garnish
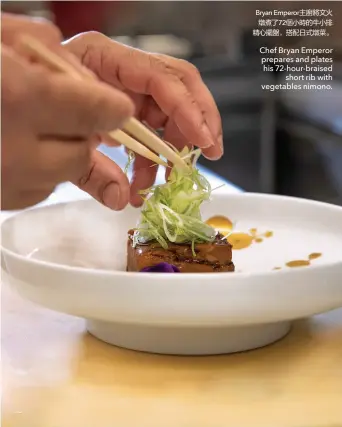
171, 212
130, 160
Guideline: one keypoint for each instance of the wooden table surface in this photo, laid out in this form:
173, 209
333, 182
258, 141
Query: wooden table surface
56, 375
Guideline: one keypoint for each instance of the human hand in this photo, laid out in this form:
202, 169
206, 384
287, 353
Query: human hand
13, 27
168, 93
49, 127
48, 118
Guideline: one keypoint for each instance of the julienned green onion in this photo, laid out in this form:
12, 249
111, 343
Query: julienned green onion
171, 211
130, 160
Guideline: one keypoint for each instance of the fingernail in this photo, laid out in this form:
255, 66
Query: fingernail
212, 156
220, 141
208, 136
111, 196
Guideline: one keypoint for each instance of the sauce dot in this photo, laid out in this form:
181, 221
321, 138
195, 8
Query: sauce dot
298, 263
221, 223
315, 255
240, 240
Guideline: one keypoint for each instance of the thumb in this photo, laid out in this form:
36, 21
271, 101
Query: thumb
106, 182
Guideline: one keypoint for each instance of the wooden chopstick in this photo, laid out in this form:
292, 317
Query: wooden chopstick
149, 138
132, 126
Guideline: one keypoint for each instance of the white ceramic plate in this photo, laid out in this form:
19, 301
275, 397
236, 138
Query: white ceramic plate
71, 258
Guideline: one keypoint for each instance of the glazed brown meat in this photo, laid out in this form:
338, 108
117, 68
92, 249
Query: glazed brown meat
213, 257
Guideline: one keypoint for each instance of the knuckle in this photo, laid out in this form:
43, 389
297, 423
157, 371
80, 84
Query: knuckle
158, 62
173, 66
84, 46
190, 68
83, 179
91, 37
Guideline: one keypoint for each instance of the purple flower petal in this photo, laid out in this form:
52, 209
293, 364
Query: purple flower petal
162, 267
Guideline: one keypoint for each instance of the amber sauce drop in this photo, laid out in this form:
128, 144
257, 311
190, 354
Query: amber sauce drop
240, 240
304, 262
315, 255
221, 223
298, 263
244, 240
224, 225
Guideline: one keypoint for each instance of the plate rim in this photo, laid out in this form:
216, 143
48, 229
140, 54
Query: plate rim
156, 276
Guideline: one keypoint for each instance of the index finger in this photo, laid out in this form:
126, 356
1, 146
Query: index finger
153, 77
195, 114
193, 80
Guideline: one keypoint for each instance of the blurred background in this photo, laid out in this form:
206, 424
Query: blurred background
279, 142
